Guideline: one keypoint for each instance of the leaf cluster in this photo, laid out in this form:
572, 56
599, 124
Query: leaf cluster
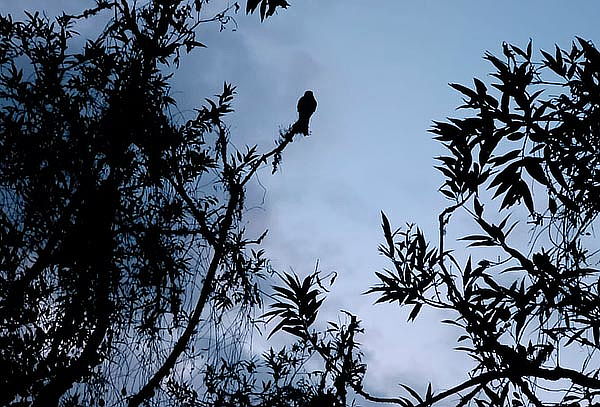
520, 304
296, 307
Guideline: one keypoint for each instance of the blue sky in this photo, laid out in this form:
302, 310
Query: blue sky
379, 70
380, 74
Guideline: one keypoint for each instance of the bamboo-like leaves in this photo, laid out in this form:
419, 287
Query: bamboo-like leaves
413, 276
522, 144
297, 305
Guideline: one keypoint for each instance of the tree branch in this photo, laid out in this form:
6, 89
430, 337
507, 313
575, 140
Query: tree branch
220, 251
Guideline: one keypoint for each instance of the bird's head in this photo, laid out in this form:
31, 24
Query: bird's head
308, 93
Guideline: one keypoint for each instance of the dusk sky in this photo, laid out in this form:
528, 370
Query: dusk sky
380, 72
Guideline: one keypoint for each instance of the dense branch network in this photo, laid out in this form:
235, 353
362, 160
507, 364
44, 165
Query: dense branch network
120, 227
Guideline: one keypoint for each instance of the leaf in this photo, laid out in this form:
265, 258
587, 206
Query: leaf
429, 394
293, 282
486, 243
306, 284
480, 86
263, 9
475, 237
511, 155
467, 272
478, 207
534, 168
414, 312
294, 330
449, 194
464, 90
516, 136
387, 232
557, 173
552, 205
251, 5
492, 395
519, 319
511, 196
284, 292
526, 194
412, 393
281, 324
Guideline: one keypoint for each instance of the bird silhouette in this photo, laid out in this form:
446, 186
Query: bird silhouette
307, 105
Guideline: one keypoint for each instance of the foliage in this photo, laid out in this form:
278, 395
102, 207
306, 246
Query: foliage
123, 250
266, 7
528, 307
287, 384
296, 308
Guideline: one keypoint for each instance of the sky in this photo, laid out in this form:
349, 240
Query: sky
379, 70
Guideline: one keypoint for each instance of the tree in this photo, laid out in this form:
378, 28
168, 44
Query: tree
525, 156
123, 246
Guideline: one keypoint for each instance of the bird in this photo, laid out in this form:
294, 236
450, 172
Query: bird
307, 105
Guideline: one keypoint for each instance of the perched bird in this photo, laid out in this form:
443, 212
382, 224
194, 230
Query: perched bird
307, 105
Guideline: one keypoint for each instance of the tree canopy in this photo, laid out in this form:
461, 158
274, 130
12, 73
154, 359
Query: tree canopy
123, 248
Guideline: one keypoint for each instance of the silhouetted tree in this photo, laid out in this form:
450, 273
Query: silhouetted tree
523, 164
122, 245
529, 302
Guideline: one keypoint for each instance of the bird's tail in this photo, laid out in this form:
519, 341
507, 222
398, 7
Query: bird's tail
300, 127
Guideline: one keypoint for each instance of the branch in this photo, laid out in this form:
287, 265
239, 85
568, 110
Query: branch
559, 373
481, 379
64, 378
101, 5
514, 375
443, 221
287, 137
523, 260
530, 395
220, 251
198, 214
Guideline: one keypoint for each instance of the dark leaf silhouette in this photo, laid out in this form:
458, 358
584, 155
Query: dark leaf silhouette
123, 242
